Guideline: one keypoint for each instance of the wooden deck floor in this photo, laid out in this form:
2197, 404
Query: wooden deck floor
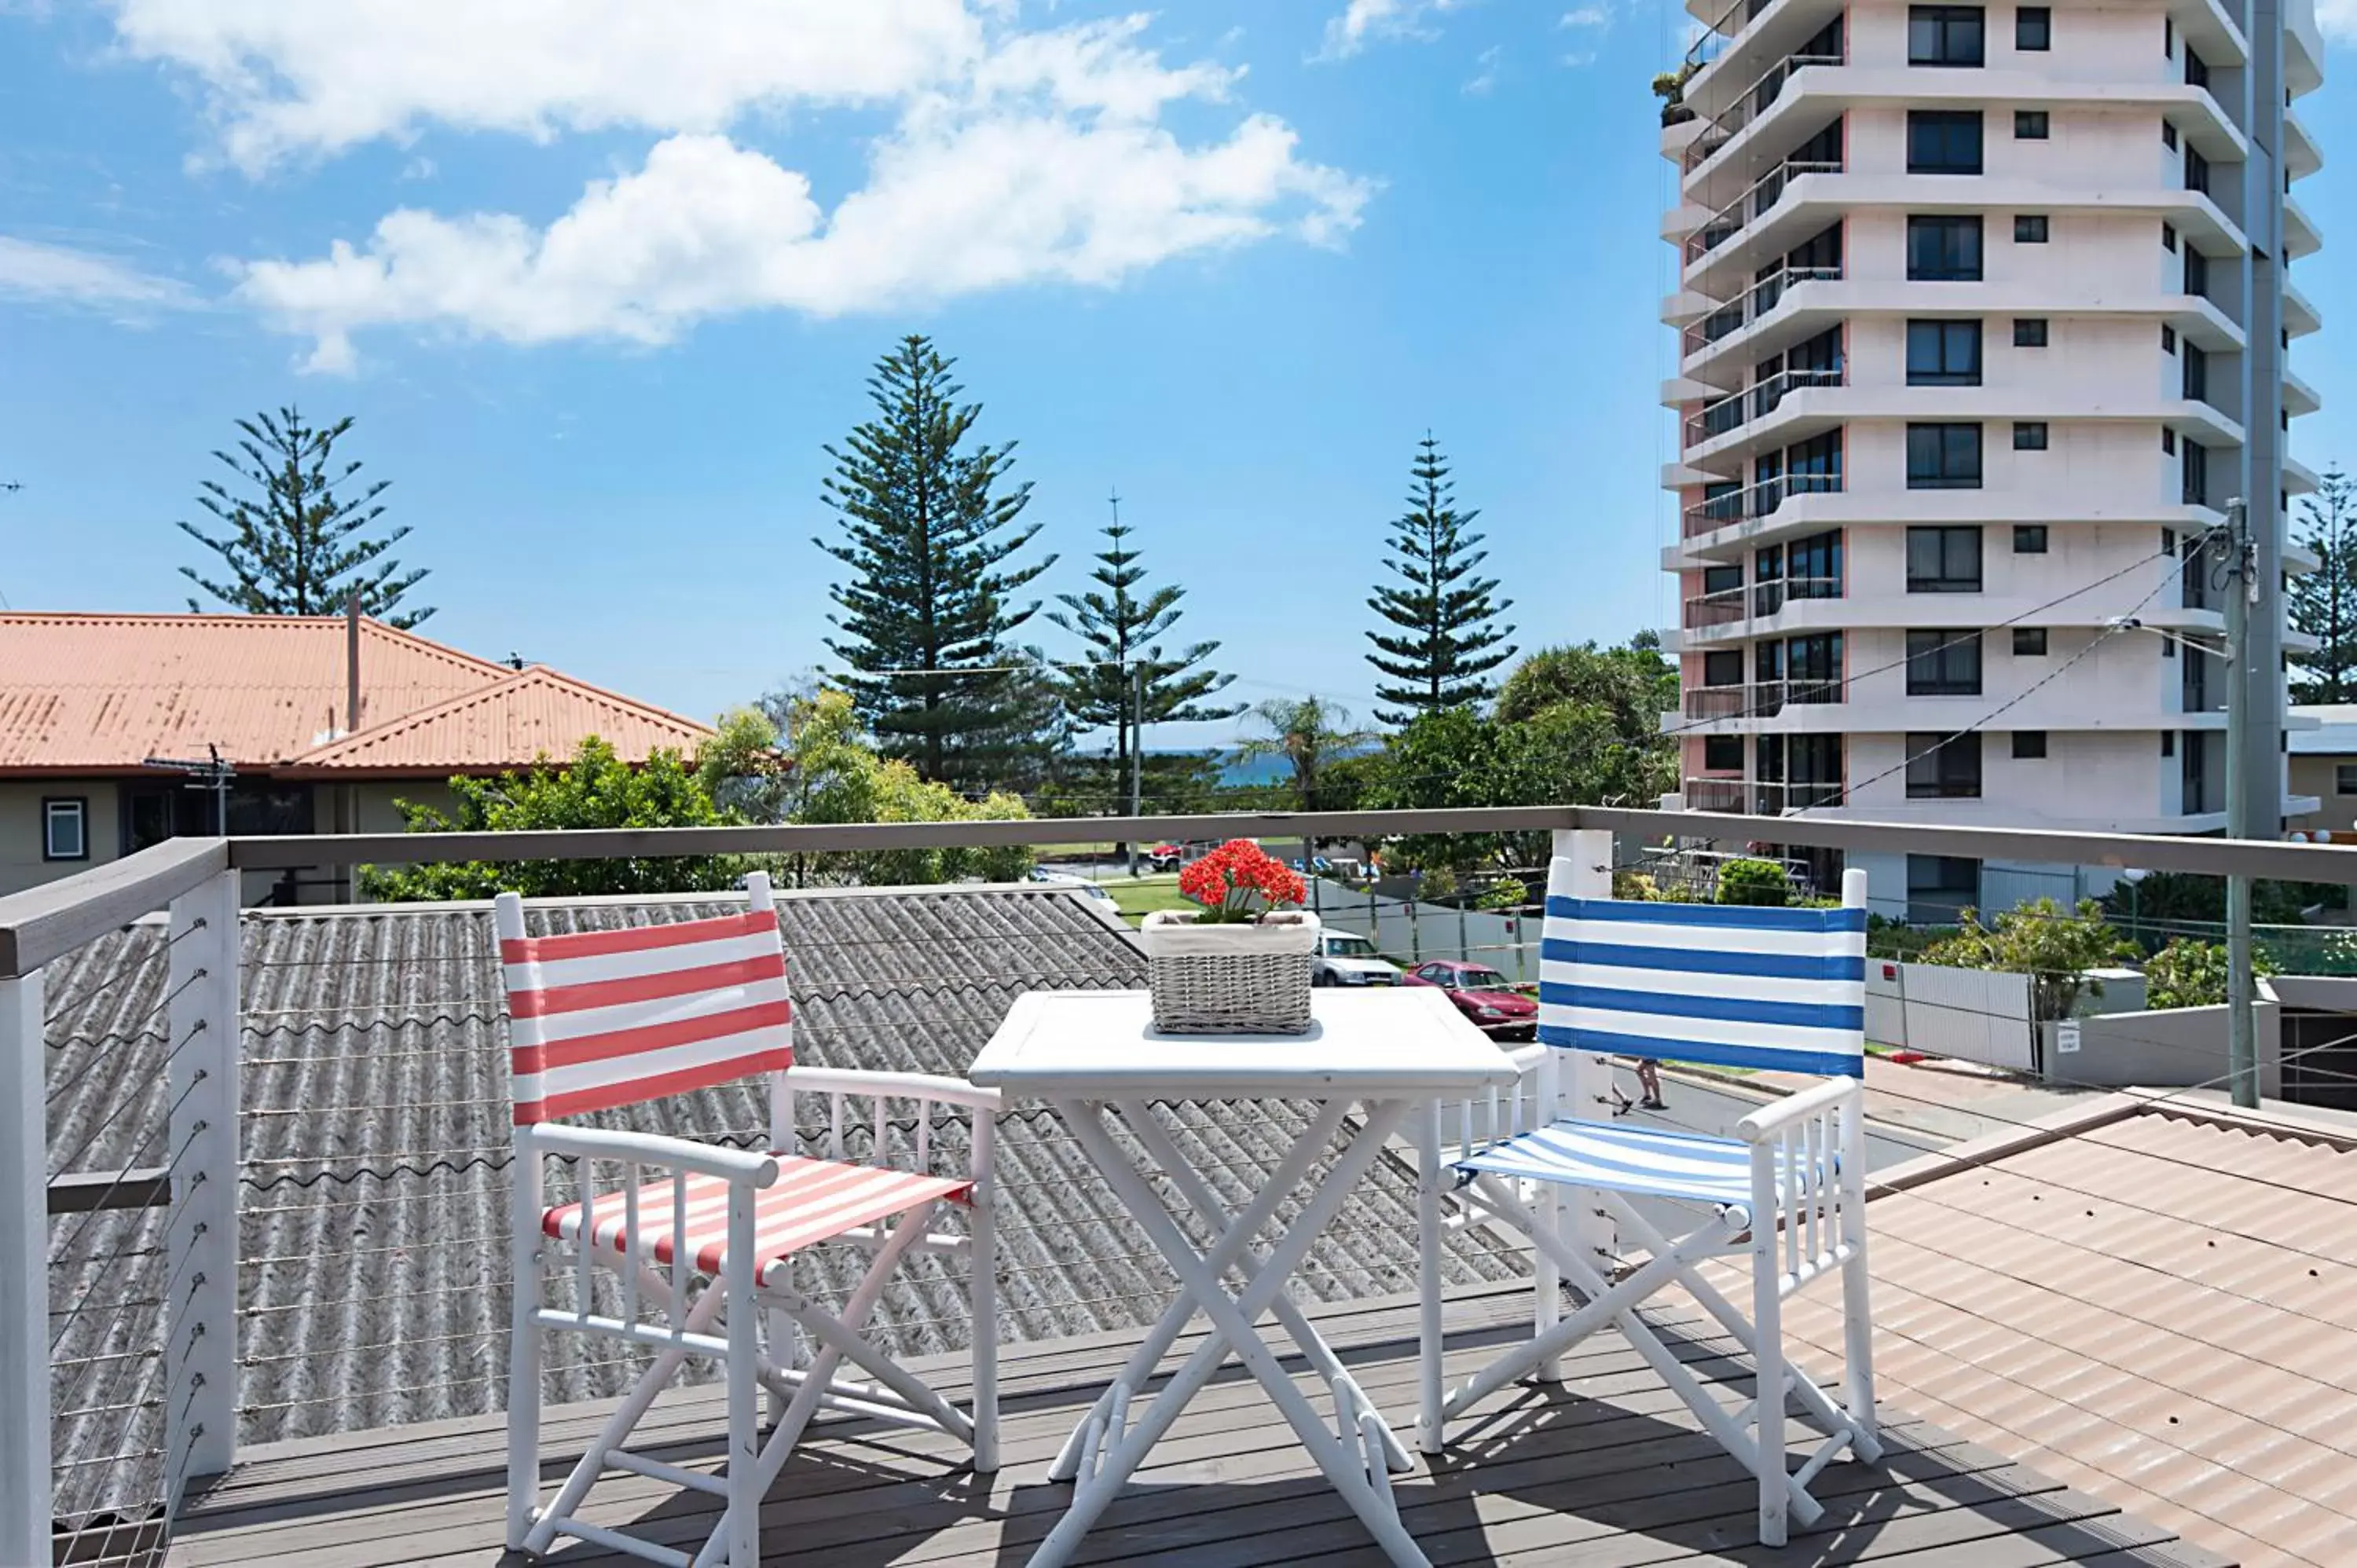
1605, 1471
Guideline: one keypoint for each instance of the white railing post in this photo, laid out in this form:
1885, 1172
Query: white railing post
23, 1277
1589, 1080
201, 1318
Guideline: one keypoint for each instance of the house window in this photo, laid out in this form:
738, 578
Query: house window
1943, 664
1943, 353
2029, 642
65, 828
1943, 141
1944, 560
1938, 886
1945, 34
2029, 229
1943, 456
1943, 250
1722, 754
2029, 435
2033, 28
1943, 768
2030, 125
2029, 538
2030, 331
2028, 745
2344, 779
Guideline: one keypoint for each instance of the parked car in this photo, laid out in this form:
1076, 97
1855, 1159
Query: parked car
1486, 997
1166, 857
1345, 958
1076, 883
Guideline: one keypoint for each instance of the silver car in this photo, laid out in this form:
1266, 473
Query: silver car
1345, 958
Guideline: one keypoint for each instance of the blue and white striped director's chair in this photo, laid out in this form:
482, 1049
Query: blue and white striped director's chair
1725, 986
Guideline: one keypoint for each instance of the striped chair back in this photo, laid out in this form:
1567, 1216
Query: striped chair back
602, 1019
1719, 984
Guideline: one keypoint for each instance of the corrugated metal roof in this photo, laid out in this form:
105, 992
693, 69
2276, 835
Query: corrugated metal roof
535, 713
2160, 1308
375, 1279
102, 692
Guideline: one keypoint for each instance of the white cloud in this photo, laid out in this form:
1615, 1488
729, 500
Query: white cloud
31, 270
1347, 34
2337, 20
1009, 156
1486, 77
1587, 16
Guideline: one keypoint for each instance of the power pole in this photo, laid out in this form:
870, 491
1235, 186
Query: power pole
1137, 750
2242, 593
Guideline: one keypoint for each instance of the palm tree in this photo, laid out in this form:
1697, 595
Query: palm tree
1310, 734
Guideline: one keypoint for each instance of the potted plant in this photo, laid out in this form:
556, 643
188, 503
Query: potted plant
1241, 964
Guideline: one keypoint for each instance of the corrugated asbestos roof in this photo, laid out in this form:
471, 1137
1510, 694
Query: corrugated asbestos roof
2160, 1307
373, 1282
86, 692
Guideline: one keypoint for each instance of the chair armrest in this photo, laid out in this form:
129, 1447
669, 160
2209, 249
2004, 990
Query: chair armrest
1526, 1061
753, 1166
897, 1085
1769, 1119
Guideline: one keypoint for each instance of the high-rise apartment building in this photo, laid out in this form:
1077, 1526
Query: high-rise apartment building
1984, 316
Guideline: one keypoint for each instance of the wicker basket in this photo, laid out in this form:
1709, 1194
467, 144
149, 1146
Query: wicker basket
1230, 978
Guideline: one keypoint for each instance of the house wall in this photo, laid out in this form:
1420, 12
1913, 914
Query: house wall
21, 865
2314, 776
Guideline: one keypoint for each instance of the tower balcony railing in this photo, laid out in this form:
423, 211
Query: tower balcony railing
1758, 401
1756, 202
1722, 31
1751, 304
1759, 699
1753, 102
1727, 606
1755, 500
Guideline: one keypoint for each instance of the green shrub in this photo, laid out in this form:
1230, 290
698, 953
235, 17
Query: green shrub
2190, 972
1754, 882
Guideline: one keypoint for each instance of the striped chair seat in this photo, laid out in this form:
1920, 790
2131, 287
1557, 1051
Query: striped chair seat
1653, 1161
812, 1201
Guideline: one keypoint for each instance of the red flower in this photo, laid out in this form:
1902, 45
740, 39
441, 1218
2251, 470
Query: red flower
1239, 880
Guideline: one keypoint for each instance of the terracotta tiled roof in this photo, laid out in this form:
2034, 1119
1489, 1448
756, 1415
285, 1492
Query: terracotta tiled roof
83, 694
2158, 1307
535, 713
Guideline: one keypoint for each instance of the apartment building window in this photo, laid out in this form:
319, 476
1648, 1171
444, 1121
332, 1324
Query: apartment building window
1939, 886
2195, 461
1722, 754
1943, 141
2028, 745
2197, 272
2196, 373
2168, 135
2029, 229
1943, 250
2167, 36
2029, 435
2168, 339
1816, 566
1943, 664
2030, 331
2344, 779
2168, 743
1813, 763
1943, 456
1813, 665
2197, 70
2167, 237
1943, 353
2168, 442
2031, 125
2197, 172
1946, 35
1943, 768
65, 828
1722, 668
2029, 538
2029, 642
1945, 560
2033, 28
1815, 467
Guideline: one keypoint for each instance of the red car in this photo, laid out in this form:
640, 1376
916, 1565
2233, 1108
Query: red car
1484, 996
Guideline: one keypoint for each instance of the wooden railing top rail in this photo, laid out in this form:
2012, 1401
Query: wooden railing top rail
44, 922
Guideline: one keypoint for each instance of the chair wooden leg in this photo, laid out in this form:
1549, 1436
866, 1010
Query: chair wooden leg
1768, 1402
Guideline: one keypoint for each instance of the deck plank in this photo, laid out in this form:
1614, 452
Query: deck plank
1606, 1470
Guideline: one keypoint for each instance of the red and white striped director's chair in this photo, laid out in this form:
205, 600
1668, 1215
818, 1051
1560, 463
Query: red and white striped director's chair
702, 1235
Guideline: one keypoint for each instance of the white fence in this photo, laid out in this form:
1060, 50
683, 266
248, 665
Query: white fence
1966, 1014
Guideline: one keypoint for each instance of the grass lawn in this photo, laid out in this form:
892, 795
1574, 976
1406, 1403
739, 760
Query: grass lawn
1137, 899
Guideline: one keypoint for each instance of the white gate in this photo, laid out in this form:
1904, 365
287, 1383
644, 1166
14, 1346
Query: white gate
1966, 1014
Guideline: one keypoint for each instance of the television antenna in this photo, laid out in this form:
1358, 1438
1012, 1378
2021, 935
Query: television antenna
208, 773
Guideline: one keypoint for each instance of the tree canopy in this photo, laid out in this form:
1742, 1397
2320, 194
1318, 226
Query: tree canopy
1313, 736
929, 523
2324, 602
293, 546
1445, 635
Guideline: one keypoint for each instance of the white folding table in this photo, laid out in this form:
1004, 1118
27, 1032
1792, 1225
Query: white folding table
1091, 1053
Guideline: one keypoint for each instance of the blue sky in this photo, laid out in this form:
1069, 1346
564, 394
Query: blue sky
599, 297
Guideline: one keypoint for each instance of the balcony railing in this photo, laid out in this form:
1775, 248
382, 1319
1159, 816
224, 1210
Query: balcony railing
262, 1165
1758, 401
1754, 204
1759, 699
1727, 605
1722, 32
1754, 102
1753, 304
1758, 500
